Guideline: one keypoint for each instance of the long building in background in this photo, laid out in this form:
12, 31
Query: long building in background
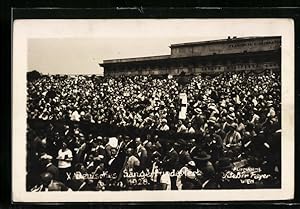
231, 54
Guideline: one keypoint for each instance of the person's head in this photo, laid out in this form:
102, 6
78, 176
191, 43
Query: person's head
164, 121
64, 146
113, 151
81, 137
156, 156
105, 140
138, 141
126, 139
99, 139
130, 151
148, 137
120, 137
148, 145
79, 167
223, 164
217, 127
169, 145
211, 128
91, 157
233, 127
202, 157
192, 142
90, 136
229, 119
211, 121
177, 146
45, 159
46, 178
191, 165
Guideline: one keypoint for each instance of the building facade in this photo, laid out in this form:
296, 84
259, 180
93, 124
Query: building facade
231, 54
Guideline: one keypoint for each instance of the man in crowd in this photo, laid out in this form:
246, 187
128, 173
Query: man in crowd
142, 153
46, 161
64, 158
49, 184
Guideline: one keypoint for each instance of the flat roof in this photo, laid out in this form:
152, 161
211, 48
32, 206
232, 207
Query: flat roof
170, 58
232, 39
135, 59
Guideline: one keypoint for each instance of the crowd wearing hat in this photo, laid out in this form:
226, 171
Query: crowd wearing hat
232, 120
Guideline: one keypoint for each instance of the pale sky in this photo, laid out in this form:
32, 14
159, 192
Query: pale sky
77, 46
81, 56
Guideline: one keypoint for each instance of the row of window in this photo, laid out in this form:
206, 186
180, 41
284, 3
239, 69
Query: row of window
239, 66
254, 43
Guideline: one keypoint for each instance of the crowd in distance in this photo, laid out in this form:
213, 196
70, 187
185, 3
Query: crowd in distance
230, 118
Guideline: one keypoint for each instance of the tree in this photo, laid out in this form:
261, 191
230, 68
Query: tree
33, 75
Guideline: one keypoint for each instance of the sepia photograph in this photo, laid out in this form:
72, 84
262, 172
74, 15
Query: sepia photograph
153, 110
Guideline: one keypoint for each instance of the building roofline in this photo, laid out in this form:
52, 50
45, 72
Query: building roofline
135, 59
162, 57
170, 58
232, 39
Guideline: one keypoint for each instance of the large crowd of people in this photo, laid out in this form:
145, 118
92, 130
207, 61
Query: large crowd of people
232, 122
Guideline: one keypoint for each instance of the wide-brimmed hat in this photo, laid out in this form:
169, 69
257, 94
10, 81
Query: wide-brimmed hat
202, 156
224, 163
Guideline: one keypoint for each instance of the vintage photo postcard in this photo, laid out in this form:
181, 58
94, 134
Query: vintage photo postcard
115, 110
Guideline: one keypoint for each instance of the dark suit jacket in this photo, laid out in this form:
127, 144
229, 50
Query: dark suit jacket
142, 155
171, 160
54, 171
184, 157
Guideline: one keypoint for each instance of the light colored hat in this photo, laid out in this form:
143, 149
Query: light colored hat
198, 110
230, 117
164, 120
145, 142
192, 163
113, 141
234, 125
212, 120
269, 103
46, 157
